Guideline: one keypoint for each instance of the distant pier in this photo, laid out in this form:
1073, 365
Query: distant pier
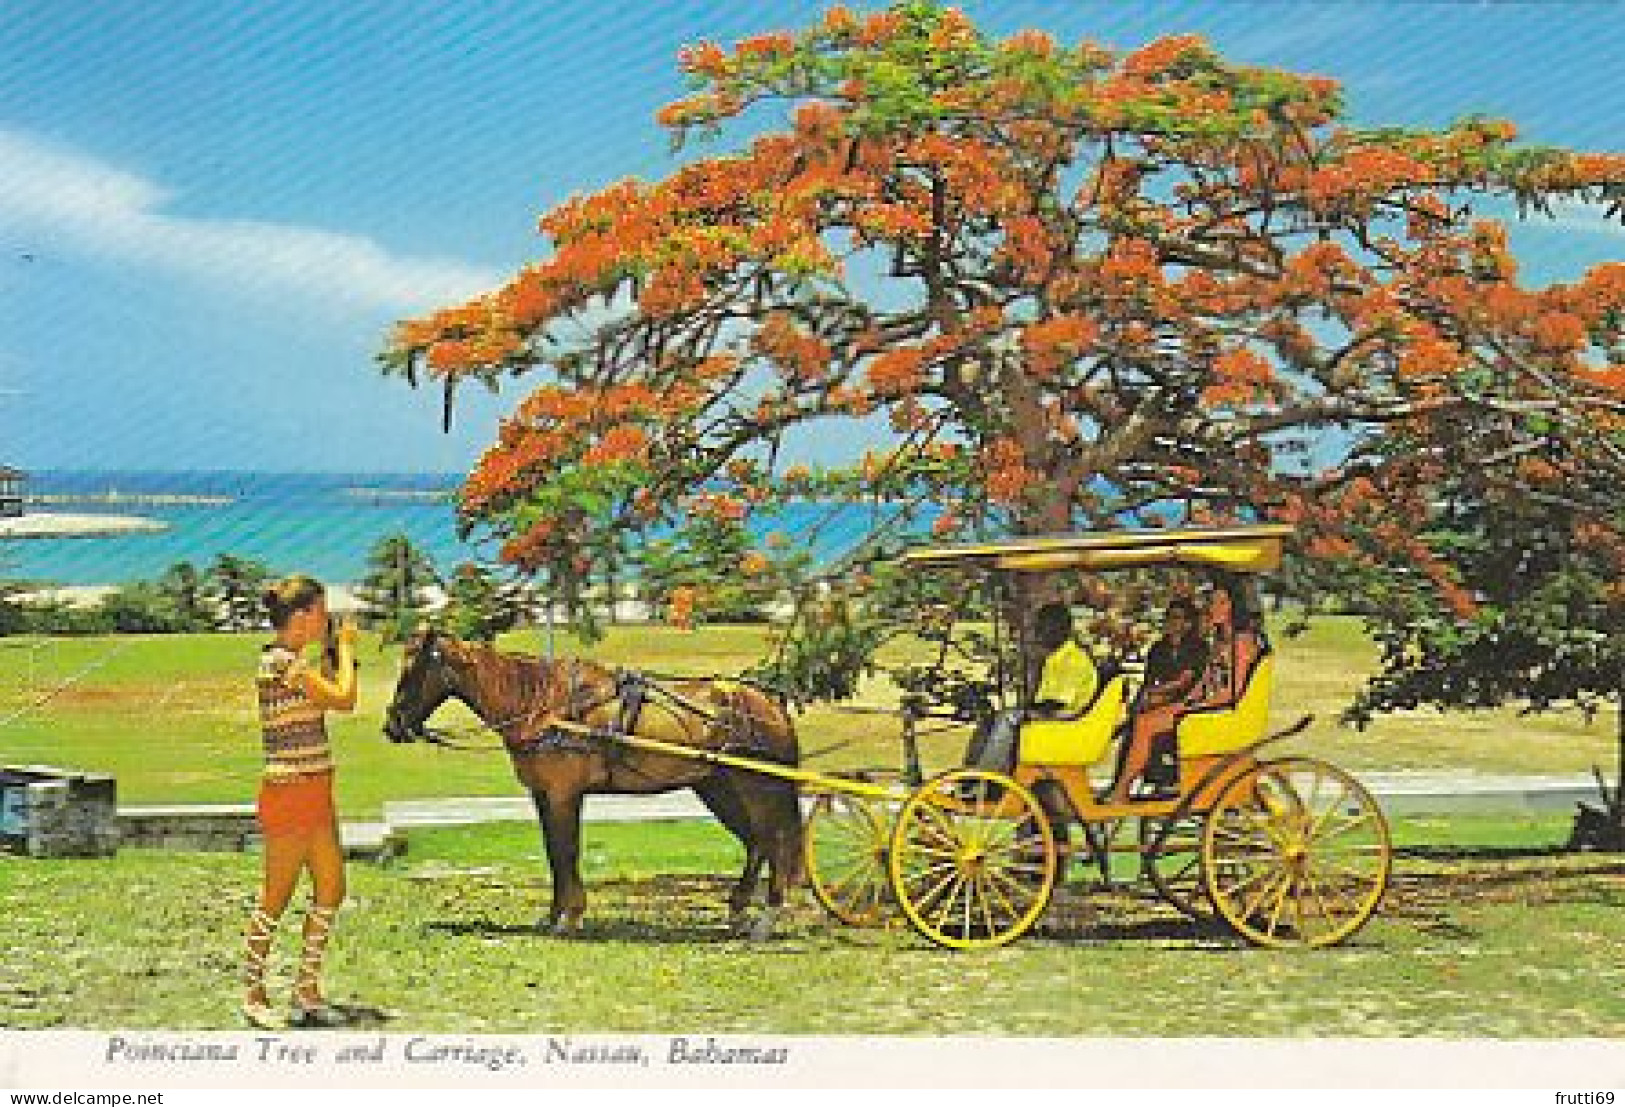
112, 497
401, 495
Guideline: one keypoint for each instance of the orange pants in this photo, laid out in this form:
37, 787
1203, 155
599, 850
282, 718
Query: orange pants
296, 806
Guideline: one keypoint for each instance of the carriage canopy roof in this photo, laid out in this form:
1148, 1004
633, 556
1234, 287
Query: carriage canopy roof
1245, 549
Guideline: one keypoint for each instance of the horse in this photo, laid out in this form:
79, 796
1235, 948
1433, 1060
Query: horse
524, 699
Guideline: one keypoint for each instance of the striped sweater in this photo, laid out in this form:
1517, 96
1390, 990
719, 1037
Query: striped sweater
293, 727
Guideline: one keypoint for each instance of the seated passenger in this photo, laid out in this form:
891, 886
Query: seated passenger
1067, 685
1174, 672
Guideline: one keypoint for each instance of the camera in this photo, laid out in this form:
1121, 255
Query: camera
330, 646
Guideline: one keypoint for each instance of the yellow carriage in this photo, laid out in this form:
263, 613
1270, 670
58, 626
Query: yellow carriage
1286, 851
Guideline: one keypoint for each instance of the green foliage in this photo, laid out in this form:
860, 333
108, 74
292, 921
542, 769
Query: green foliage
392, 594
478, 606
141, 608
824, 654
714, 566
236, 586
184, 593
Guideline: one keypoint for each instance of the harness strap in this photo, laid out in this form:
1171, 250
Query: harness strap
632, 691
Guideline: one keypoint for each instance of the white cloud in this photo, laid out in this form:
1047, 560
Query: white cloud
56, 192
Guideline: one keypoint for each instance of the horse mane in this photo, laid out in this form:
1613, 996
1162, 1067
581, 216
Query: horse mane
524, 681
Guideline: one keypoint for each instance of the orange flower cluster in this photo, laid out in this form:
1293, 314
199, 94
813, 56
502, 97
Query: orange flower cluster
705, 59
1363, 173
719, 508
1051, 344
1319, 268
893, 222
879, 28
504, 467
1240, 375
953, 31
622, 443
1156, 58
774, 44
1028, 247
1131, 265
839, 22
1558, 331
897, 371
1037, 43
1428, 354
680, 606
531, 549
1007, 475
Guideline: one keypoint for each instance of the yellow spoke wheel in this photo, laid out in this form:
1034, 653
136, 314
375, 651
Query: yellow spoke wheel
847, 843
1171, 859
973, 860
1295, 853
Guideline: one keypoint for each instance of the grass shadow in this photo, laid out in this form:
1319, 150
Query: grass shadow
1480, 853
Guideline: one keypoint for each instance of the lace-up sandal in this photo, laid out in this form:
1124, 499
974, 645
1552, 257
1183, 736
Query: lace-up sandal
320, 1014
256, 950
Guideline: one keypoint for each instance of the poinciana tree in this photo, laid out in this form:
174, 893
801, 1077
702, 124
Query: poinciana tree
1085, 288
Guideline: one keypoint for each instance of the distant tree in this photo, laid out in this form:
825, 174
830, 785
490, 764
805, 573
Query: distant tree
392, 595
714, 571
141, 608
478, 605
185, 591
235, 585
1503, 579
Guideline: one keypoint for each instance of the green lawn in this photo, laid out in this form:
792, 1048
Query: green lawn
1487, 932
1499, 942
173, 716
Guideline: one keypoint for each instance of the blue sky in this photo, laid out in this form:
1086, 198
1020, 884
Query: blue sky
211, 212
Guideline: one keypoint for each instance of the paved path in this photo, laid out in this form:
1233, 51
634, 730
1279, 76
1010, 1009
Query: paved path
1398, 793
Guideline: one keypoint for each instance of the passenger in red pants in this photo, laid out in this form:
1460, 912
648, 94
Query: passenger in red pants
1173, 673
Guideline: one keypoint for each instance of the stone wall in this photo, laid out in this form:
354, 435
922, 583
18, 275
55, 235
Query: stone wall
49, 812
215, 828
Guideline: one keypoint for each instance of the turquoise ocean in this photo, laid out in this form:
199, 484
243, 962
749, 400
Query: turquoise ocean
318, 523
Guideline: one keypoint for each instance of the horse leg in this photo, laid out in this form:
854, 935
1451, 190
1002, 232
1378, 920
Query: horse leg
560, 818
721, 797
774, 816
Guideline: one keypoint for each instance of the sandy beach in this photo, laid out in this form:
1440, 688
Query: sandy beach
341, 598
43, 524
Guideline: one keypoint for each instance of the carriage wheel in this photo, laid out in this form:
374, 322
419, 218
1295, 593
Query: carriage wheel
1171, 858
1295, 853
973, 860
847, 843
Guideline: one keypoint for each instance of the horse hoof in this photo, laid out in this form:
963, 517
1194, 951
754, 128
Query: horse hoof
762, 929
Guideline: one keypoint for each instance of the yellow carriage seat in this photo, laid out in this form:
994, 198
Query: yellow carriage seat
1080, 738
1206, 731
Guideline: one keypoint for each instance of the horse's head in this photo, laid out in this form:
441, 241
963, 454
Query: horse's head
429, 677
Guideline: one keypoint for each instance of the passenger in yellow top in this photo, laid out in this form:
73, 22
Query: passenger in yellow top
1066, 685
1070, 679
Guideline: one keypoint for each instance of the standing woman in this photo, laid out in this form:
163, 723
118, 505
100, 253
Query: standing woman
296, 814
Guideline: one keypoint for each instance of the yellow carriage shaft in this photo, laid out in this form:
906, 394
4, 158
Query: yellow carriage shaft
1244, 549
820, 782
